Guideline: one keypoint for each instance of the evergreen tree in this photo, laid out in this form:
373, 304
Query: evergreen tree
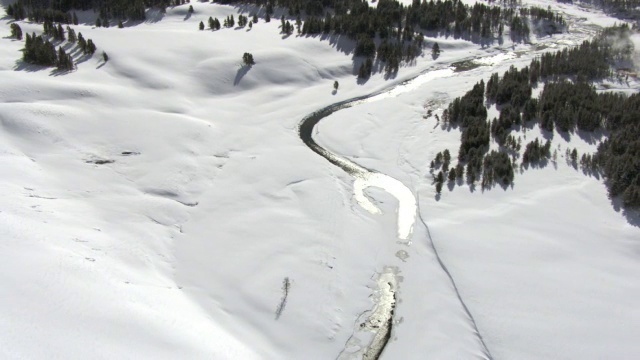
98, 22
190, 9
247, 59
71, 35
82, 43
435, 50
105, 57
201, 26
336, 85
16, 31
91, 47
59, 34
452, 175
75, 18
120, 24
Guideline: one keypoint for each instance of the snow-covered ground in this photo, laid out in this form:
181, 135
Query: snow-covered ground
180, 246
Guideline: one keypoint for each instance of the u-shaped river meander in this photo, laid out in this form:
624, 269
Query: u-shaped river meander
379, 320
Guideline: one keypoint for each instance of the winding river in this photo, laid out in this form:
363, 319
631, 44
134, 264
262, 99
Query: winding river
379, 321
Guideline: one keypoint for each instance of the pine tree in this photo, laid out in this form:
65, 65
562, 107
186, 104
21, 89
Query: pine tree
190, 9
74, 18
71, 35
452, 175
201, 26
59, 35
435, 50
212, 24
98, 22
247, 59
82, 43
105, 57
120, 24
16, 31
336, 85
91, 47
255, 18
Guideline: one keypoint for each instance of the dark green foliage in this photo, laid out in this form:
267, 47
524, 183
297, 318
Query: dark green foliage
105, 57
452, 175
512, 88
39, 51
247, 59
501, 127
569, 105
64, 62
470, 113
242, 20
98, 22
16, 31
459, 171
435, 50
201, 26
90, 48
120, 24
71, 35
82, 43
335, 85
535, 152
497, 169
365, 69
190, 9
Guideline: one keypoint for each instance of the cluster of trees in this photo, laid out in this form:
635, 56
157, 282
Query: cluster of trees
35, 10
214, 24
40, 51
497, 168
536, 152
470, 113
565, 106
285, 26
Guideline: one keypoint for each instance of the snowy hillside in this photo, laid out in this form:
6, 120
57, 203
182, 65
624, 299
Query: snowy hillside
161, 205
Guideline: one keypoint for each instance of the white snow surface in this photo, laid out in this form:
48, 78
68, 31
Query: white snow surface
179, 247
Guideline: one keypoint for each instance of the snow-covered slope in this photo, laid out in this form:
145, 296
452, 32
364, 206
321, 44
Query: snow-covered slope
153, 206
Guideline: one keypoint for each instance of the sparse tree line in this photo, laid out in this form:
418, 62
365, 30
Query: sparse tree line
39, 50
568, 103
392, 33
107, 9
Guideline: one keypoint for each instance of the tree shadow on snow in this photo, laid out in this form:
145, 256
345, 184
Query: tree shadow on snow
631, 215
241, 73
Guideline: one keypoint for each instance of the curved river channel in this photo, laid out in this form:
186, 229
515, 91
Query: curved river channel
375, 328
